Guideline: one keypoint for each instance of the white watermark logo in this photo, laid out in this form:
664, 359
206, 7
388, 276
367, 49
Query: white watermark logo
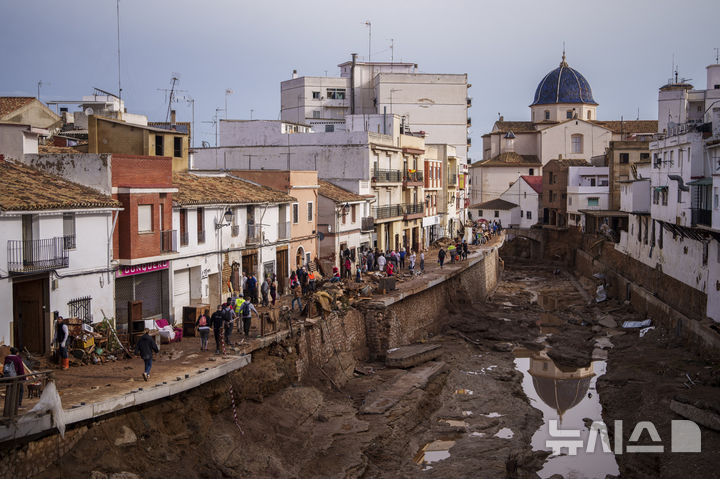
685, 437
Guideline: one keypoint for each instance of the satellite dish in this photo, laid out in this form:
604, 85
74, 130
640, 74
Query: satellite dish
321, 236
89, 111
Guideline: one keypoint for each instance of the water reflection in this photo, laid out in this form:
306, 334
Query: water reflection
568, 396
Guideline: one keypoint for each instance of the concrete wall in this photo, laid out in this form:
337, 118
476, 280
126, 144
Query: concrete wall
89, 169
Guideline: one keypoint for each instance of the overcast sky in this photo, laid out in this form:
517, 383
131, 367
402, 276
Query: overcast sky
624, 48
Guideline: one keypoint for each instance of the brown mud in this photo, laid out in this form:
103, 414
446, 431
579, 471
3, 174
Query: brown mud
470, 417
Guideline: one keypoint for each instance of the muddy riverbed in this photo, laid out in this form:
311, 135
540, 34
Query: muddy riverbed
536, 352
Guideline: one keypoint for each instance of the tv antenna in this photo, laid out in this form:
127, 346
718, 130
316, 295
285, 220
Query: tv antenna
117, 4
392, 50
39, 84
369, 25
717, 55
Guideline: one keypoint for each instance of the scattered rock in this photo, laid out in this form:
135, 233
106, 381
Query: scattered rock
607, 322
127, 437
503, 347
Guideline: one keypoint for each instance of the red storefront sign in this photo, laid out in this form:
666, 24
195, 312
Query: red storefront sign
127, 270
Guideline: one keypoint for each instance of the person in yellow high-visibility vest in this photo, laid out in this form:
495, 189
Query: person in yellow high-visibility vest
238, 304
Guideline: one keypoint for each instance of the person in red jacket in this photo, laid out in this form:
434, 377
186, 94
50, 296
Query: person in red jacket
389, 269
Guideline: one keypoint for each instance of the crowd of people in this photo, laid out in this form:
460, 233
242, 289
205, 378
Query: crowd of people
483, 231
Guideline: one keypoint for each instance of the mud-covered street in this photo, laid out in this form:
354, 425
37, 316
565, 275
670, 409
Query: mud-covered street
539, 349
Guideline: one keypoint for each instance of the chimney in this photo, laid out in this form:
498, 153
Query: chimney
294, 75
172, 118
352, 83
502, 118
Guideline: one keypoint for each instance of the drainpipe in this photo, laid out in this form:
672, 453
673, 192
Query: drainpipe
352, 84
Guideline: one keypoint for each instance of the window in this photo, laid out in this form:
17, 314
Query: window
316, 113
577, 143
353, 212
644, 156
524, 194
144, 218
201, 225
593, 201
604, 182
329, 128
310, 210
528, 215
664, 196
183, 228
295, 213
716, 198
570, 201
589, 115
343, 215
159, 147
335, 93
80, 308
497, 214
568, 114
624, 158
480, 213
547, 114
656, 160
161, 221
177, 147
316, 95
656, 196
531, 171
521, 213
69, 230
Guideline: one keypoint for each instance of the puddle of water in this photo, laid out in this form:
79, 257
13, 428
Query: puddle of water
504, 433
493, 414
563, 396
433, 452
468, 392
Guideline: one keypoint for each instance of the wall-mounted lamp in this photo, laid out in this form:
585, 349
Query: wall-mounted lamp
228, 216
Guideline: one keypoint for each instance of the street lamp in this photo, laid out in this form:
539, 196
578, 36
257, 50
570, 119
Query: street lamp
228, 216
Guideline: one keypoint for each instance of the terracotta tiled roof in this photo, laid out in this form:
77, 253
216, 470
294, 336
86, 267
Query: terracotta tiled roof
514, 126
496, 204
535, 182
510, 158
566, 163
48, 149
27, 189
337, 194
9, 104
225, 189
631, 126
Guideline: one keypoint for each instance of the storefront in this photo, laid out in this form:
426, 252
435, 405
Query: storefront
431, 225
146, 282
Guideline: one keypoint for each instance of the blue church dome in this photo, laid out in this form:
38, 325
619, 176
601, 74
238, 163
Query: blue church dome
563, 85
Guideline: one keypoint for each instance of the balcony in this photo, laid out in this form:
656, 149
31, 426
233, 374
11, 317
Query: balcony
69, 241
382, 212
283, 230
254, 234
31, 256
168, 241
367, 224
701, 217
412, 178
184, 238
386, 176
452, 180
201, 236
413, 210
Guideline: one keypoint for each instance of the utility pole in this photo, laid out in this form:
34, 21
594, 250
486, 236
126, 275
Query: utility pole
39, 84
251, 112
392, 50
228, 91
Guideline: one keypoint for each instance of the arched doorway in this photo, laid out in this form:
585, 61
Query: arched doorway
299, 257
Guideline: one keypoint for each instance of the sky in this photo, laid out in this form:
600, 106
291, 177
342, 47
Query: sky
625, 49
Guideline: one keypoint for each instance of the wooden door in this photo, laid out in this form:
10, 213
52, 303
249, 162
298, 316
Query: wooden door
29, 326
281, 260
